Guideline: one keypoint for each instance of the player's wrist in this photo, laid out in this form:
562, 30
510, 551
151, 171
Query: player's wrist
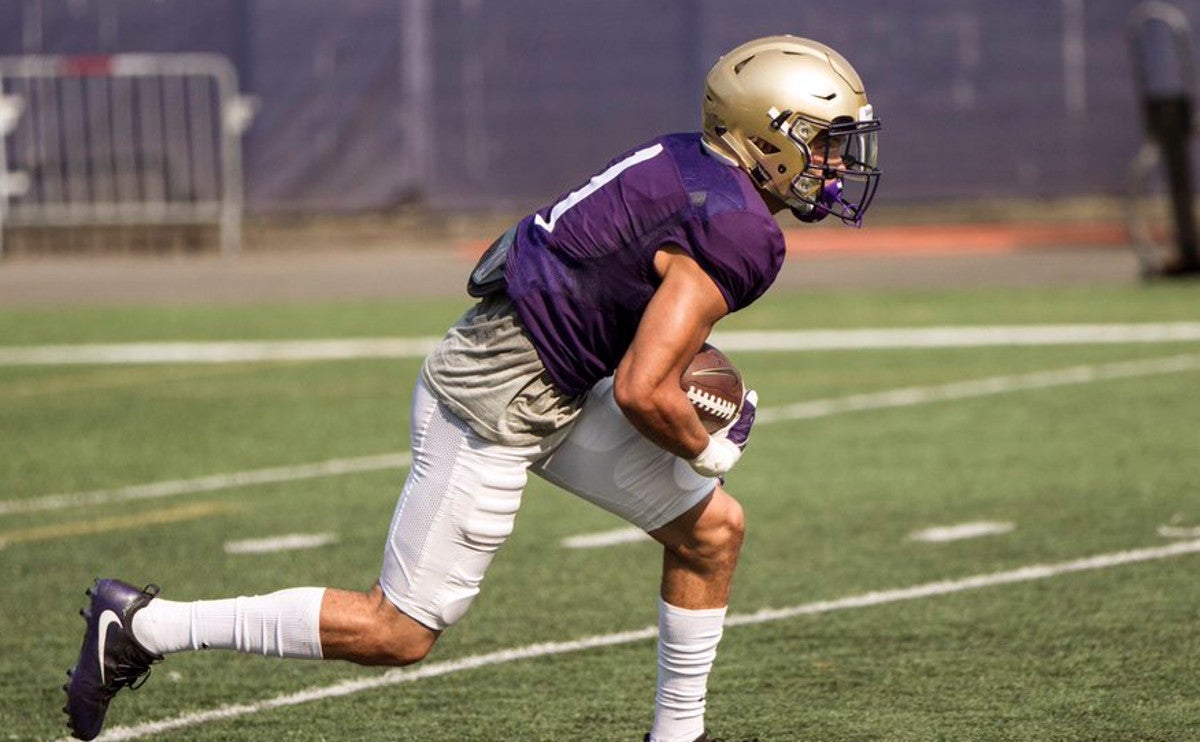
717, 458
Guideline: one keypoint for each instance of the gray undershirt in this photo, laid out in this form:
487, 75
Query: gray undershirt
487, 372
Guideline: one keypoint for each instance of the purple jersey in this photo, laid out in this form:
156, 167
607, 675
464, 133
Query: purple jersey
581, 271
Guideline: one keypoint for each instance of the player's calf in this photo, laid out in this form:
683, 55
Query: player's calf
367, 629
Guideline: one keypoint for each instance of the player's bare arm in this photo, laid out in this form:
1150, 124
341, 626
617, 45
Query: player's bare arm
677, 321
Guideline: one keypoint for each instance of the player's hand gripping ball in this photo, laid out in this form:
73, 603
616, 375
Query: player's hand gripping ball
714, 387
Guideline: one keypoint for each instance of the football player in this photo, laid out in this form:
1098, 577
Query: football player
568, 367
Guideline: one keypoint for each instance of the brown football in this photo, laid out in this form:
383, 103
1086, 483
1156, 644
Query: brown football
714, 386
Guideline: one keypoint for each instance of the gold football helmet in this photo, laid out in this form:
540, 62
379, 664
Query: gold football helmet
794, 115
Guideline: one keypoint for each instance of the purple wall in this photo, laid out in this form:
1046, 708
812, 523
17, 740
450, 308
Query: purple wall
365, 104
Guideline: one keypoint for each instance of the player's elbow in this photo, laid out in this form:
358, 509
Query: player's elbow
636, 398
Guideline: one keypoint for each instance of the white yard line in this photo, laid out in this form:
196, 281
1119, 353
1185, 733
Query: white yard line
546, 649
942, 534
290, 542
936, 534
751, 341
606, 538
802, 411
980, 388
212, 483
1178, 532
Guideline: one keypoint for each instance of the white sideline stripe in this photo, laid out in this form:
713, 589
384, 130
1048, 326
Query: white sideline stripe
940, 534
750, 341
331, 468
956, 336
803, 411
606, 538
218, 352
546, 649
290, 542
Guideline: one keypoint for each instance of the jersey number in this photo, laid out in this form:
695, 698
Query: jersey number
593, 185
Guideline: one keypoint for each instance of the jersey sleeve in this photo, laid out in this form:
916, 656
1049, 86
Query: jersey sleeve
741, 251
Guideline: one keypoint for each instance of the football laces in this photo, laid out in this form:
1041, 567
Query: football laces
712, 404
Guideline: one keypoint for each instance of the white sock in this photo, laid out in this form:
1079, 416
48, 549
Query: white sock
687, 647
282, 624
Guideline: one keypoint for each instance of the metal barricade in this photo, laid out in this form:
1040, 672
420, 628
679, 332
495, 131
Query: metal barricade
122, 140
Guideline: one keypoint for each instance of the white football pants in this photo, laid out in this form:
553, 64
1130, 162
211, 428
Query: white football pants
461, 497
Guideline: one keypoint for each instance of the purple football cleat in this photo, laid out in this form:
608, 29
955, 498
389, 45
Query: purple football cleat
110, 659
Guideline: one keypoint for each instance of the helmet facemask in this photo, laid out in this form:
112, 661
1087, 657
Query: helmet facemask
840, 174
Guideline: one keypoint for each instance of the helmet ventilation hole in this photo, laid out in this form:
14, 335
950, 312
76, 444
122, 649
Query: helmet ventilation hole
764, 146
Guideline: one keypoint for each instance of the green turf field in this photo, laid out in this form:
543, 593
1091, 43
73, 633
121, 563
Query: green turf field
1091, 463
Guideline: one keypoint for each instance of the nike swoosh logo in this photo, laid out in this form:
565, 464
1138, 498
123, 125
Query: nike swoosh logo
108, 618
714, 372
